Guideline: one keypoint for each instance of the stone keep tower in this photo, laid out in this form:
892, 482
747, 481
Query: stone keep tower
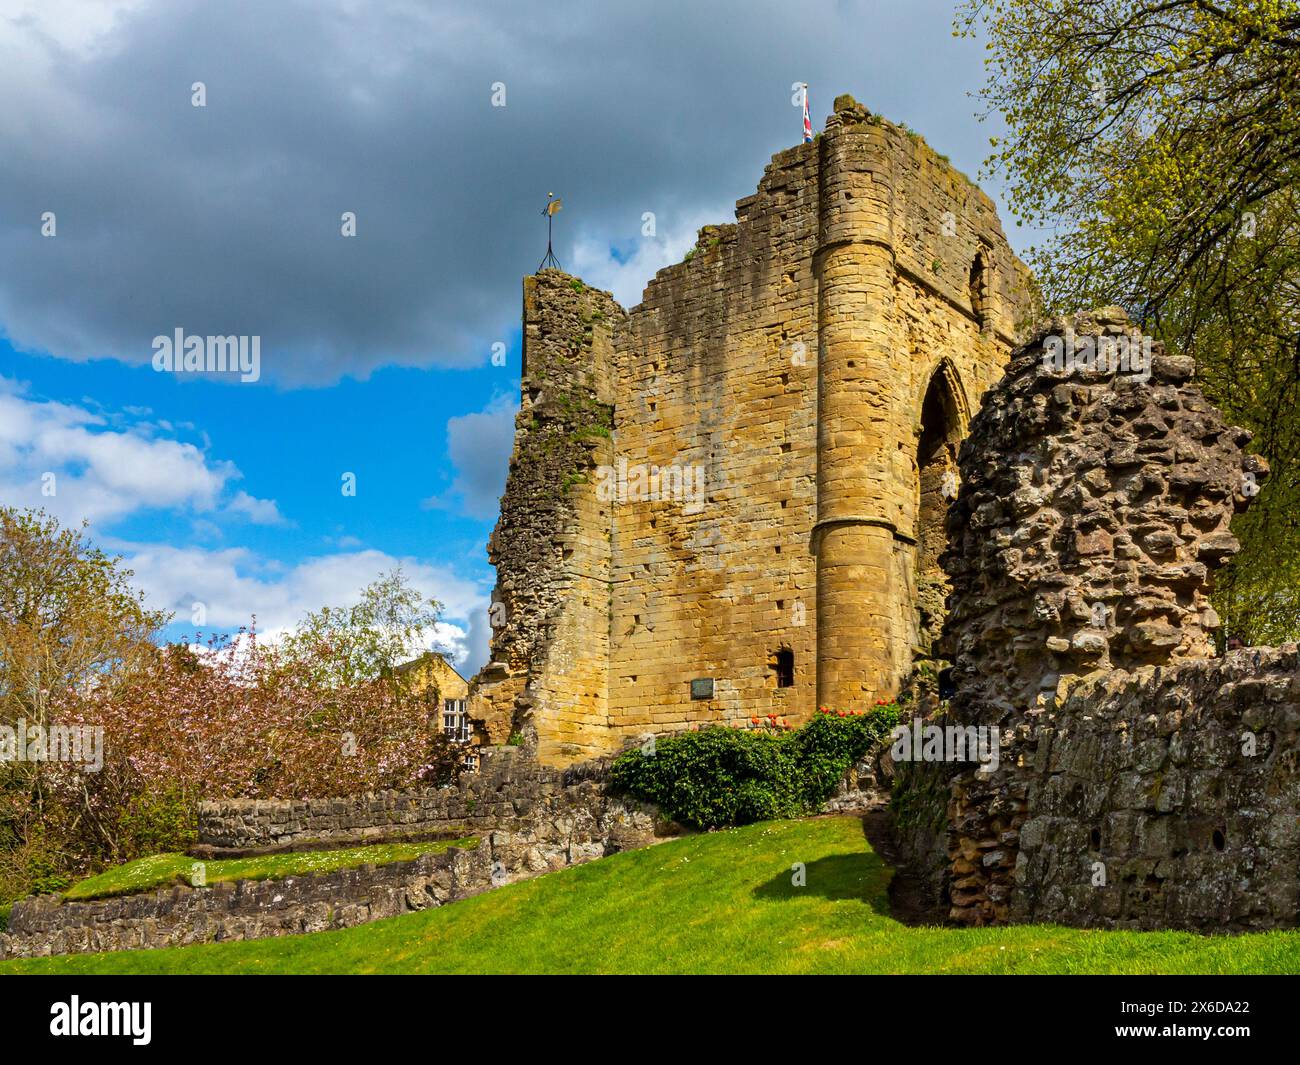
728, 502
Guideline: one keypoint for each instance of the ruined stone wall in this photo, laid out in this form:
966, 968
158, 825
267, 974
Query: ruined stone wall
1094, 508
547, 679
530, 821
786, 361
509, 788
245, 909
1168, 798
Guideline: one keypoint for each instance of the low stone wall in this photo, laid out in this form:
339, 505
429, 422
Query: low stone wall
865, 786
244, 909
530, 821
1169, 798
507, 790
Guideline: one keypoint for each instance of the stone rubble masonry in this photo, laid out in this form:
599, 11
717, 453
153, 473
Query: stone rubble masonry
788, 358
1181, 785
529, 819
509, 789
551, 546
1094, 508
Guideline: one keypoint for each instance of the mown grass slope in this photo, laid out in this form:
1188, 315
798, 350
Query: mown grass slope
715, 903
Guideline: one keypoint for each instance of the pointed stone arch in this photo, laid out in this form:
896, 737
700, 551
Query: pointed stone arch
943, 414
944, 368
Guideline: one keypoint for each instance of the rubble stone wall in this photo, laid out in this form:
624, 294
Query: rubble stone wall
1168, 798
509, 789
1094, 508
529, 820
551, 546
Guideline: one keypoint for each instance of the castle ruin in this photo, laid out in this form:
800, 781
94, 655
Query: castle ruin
728, 502
1144, 781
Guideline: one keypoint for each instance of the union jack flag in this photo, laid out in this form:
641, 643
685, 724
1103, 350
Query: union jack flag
807, 121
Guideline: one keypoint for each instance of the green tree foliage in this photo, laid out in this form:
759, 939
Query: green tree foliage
68, 619
68, 614
1160, 141
370, 638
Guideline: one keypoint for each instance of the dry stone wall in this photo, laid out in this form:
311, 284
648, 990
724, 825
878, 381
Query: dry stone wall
530, 820
245, 909
510, 790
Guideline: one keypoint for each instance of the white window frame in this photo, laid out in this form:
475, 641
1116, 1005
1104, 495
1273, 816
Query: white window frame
455, 721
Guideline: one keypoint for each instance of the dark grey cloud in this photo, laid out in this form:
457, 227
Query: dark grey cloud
226, 219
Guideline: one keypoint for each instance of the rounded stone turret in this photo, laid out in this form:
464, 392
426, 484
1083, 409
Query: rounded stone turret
860, 427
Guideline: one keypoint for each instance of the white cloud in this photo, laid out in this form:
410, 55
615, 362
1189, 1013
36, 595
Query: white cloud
80, 464
258, 511
626, 275
479, 446
234, 585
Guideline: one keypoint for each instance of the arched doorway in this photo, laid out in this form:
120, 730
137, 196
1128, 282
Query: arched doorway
942, 426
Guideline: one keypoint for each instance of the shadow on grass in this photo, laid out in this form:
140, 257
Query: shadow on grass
838, 878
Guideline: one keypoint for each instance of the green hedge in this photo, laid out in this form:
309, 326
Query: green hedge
725, 776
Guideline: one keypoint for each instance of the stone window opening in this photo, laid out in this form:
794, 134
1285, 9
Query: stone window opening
782, 664
979, 288
936, 464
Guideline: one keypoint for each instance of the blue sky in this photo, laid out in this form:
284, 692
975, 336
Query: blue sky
225, 219
287, 450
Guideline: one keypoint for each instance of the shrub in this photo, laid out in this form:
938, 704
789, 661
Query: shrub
35, 866
724, 776
155, 822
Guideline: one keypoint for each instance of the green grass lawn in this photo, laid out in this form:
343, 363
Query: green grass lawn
716, 903
163, 870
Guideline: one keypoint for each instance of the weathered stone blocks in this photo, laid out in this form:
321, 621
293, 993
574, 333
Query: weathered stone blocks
789, 359
1143, 782
530, 820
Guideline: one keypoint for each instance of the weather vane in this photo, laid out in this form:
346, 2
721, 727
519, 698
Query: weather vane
550, 210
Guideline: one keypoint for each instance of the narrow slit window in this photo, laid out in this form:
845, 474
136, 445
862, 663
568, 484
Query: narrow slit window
783, 665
